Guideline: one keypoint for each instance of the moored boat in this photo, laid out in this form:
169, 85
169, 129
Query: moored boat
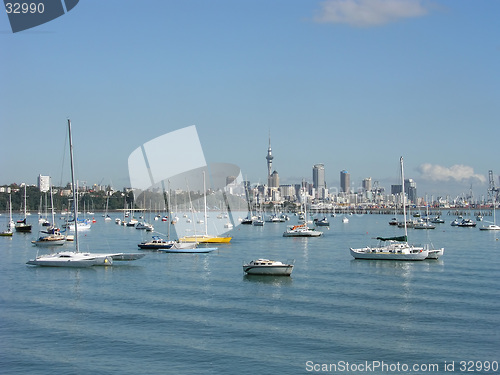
268, 267
301, 230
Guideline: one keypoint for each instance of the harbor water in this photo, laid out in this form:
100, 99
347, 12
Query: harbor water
199, 314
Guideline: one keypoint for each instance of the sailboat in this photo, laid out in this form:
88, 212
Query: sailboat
76, 258
492, 226
8, 232
397, 247
205, 238
22, 225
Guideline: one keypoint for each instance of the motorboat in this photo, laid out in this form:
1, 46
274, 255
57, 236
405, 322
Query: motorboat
321, 222
422, 224
434, 253
156, 243
490, 227
268, 267
50, 240
146, 226
437, 220
393, 221
258, 222
467, 223
301, 230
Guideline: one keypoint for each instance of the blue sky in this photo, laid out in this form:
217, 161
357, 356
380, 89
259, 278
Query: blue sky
353, 84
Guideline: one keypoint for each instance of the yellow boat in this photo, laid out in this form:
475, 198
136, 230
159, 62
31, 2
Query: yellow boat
205, 238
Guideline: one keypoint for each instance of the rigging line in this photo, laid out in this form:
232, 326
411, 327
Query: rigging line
64, 157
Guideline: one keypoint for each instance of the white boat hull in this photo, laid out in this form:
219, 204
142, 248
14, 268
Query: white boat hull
310, 233
285, 270
69, 259
196, 250
381, 254
435, 253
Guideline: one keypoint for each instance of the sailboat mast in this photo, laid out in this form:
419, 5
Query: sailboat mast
404, 196
52, 205
24, 201
205, 201
75, 200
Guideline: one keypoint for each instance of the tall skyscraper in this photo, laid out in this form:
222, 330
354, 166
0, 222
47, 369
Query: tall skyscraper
367, 184
345, 181
411, 190
269, 159
274, 180
319, 176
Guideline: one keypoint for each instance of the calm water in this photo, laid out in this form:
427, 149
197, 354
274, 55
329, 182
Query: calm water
198, 314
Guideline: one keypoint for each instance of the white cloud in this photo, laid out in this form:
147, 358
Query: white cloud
458, 172
365, 13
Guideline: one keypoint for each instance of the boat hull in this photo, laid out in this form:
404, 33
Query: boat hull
69, 259
284, 270
197, 250
435, 253
48, 243
311, 233
205, 239
374, 254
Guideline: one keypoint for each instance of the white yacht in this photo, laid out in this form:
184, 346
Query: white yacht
268, 267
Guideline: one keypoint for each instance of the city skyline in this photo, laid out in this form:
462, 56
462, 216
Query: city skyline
414, 78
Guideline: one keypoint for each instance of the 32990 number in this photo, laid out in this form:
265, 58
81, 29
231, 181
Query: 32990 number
473, 366
23, 8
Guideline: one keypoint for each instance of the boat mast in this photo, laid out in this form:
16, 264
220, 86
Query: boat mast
205, 201
25, 203
404, 196
75, 201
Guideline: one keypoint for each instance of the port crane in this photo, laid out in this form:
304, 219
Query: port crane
493, 191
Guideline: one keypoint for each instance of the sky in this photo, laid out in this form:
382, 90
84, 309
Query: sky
352, 84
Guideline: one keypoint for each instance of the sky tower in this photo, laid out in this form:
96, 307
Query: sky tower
269, 159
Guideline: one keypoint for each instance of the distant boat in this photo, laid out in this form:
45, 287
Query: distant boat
8, 232
146, 226
393, 221
492, 226
268, 267
437, 220
321, 222
257, 221
421, 224
22, 225
467, 223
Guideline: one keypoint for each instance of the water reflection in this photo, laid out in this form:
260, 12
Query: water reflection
269, 279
